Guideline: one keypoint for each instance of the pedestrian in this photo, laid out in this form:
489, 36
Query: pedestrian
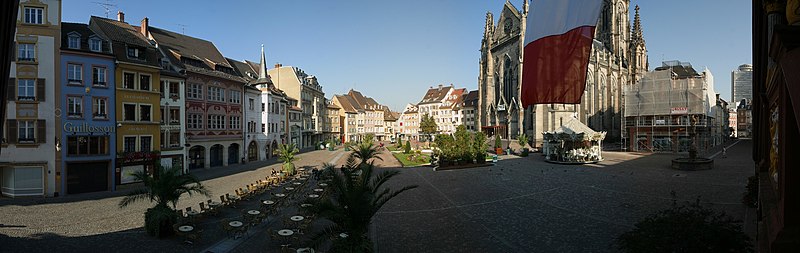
724, 152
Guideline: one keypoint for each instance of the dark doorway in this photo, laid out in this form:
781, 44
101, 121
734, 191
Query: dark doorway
197, 157
233, 154
87, 177
216, 155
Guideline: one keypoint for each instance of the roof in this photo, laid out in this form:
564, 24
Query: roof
85, 33
126, 35
681, 69
454, 100
333, 106
573, 125
435, 95
344, 100
390, 115
190, 47
243, 69
471, 99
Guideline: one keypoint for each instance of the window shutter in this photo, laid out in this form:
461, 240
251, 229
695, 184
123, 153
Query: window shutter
12, 131
11, 90
41, 131
40, 89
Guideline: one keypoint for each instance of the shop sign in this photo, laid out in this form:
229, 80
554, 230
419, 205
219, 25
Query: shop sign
679, 110
86, 128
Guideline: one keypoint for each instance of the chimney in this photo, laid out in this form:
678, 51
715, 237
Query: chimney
145, 27
278, 65
440, 86
120, 16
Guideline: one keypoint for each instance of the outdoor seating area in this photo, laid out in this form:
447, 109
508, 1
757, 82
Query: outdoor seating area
275, 201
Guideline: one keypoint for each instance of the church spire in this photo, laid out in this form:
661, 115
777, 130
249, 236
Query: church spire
262, 71
637, 26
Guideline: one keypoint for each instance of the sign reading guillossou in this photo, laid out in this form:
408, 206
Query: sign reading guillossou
86, 128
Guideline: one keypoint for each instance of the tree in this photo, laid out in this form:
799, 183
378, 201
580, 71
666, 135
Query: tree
407, 148
286, 154
357, 195
364, 151
479, 147
463, 142
687, 228
167, 189
428, 125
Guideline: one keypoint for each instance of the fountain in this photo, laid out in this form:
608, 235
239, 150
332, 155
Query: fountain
693, 162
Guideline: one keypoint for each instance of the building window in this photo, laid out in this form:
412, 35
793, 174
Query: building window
194, 91
216, 94
87, 145
74, 73
145, 143
74, 107
99, 76
129, 112
26, 52
174, 139
129, 81
175, 116
95, 45
129, 144
133, 52
235, 122
216, 122
263, 107
26, 89
73, 42
263, 128
145, 112
144, 82
100, 108
194, 121
26, 129
34, 15
251, 102
173, 89
236, 97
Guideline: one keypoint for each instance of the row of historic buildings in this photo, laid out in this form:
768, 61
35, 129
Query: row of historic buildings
89, 104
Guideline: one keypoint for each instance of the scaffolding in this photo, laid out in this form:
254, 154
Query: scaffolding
667, 106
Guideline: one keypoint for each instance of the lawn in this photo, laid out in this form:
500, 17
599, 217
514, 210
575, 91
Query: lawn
404, 159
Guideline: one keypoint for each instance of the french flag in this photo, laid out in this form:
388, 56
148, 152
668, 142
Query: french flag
558, 41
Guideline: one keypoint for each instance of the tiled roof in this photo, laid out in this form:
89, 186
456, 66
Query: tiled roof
471, 99
120, 31
344, 100
85, 33
214, 73
435, 94
190, 47
333, 106
243, 69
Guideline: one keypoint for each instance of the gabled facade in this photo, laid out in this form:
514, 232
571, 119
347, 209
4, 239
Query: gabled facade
469, 109
349, 117
138, 100
409, 123
333, 123
214, 94
88, 136
33, 114
310, 99
443, 103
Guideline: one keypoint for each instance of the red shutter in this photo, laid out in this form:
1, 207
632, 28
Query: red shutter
12, 131
11, 90
41, 131
40, 89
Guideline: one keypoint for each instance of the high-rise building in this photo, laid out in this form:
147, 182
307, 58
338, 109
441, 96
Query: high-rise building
742, 83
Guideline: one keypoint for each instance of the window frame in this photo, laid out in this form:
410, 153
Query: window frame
125, 138
133, 84
125, 114
97, 73
32, 97
99, 44
149, 82
23, 51
96, 108
74, 106
140, 145
74, 73
149, 112
73, 38
37, 15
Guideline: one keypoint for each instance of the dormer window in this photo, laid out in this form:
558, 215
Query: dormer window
95, 45
74, 42
133, 52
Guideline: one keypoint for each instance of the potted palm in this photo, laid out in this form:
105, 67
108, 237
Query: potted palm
165, 190
358, 193
286, 154
498, 146
523, 141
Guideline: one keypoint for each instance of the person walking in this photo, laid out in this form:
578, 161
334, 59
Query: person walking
724, 152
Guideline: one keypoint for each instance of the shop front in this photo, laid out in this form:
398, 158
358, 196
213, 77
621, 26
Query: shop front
83, 177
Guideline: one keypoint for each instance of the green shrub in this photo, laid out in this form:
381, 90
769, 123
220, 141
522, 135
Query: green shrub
479, 146
497, 143
687, 228
523, 140
407, 147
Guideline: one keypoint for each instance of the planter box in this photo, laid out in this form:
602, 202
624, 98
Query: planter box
498, 151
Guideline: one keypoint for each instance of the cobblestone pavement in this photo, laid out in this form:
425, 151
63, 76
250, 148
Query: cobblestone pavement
85, 222
528, 205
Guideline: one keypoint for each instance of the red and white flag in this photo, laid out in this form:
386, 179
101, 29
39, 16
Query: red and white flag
558, 41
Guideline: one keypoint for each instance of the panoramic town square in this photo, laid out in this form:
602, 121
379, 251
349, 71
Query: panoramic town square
399, 126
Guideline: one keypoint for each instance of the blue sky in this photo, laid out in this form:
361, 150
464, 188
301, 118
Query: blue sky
394, 50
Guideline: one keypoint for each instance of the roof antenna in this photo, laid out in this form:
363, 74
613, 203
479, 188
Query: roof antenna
183, 28
107, 6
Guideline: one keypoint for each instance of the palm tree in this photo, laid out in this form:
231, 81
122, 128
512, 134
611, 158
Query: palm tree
167, 189
286, 154
364, 151
357, 196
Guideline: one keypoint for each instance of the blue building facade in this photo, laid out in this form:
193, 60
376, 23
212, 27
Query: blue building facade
87, 145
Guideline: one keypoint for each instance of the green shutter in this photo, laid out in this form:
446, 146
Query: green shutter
40, 89
11, 90
12, 131
41, 131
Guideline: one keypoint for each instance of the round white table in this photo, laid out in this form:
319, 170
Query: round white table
323, 184
343, 235
268, 202
301, 169
235, 223
303, 178
185, 228
297, 218
306, 205
285, 232
253, 212
280, 195
305, 250
192, 213
297, 183
313, 196
214, 204
319, 190
289, 188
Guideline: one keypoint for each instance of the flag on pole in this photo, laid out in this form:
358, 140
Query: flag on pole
558, 41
